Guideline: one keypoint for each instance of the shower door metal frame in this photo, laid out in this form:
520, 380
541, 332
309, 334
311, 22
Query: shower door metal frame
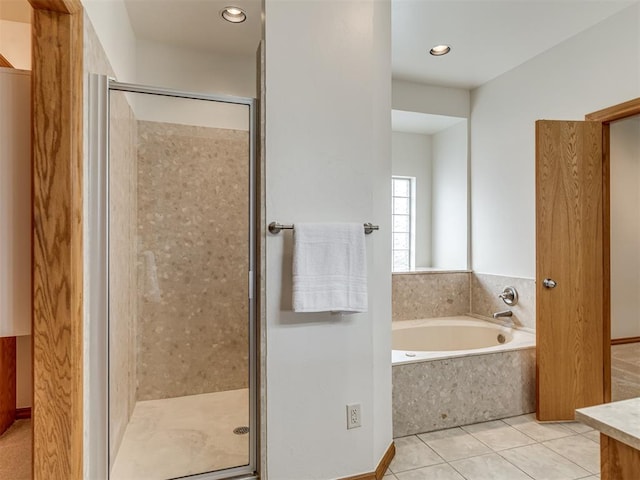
108, 85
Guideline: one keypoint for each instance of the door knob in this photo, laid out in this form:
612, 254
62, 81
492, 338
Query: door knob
548, 283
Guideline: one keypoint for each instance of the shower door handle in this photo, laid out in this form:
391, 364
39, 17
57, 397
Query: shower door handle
549, 283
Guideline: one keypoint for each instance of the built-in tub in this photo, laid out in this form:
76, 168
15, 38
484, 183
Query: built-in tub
448, 337
477, 378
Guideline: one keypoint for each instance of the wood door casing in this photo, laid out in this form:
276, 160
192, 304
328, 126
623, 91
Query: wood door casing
569, 244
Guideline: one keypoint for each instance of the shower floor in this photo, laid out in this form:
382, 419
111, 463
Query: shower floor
181, 436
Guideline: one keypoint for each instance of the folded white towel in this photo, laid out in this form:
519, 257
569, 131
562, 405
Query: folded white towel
329, 268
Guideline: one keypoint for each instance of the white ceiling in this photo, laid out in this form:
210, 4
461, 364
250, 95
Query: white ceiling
487, 38
516, 31
196, 24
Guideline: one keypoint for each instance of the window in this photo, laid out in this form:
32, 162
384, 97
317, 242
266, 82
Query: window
403, 223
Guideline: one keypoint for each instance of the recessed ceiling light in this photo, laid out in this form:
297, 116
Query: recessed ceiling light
233, 14
439, 50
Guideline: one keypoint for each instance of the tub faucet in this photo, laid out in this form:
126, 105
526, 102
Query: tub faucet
504, 313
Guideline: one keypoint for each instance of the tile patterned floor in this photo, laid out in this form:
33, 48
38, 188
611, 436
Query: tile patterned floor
625, 371
517, 448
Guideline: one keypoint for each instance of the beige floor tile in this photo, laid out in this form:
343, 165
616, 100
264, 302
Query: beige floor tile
593, 435
175, 437
390, 476
498, 435
488, 467
578, 449
454, 444
577, 427
629, 352
542, 463
412, 453
435, 472
540, 432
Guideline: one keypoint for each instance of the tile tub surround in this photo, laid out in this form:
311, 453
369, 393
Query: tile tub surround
437, 394
484, 298
430, 294
193, 204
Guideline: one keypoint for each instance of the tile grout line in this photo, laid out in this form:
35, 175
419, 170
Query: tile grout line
552, 451
571, 433
566, 458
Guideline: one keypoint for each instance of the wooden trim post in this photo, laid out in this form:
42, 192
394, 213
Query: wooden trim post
57, 99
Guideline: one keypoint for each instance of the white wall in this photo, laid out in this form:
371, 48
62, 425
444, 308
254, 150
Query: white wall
328, 156
111, 23
15, 43
411, 157
595, 69
625, 228
15, 223
450, 198
174, 67
418, 97
183, 69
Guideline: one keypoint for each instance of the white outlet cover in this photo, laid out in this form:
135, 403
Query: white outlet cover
354, 416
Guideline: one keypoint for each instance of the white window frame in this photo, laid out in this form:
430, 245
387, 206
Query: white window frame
412, 222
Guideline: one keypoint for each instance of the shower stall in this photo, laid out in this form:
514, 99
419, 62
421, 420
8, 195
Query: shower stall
176, 191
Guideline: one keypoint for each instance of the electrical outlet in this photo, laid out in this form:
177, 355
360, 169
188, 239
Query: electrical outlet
354, 417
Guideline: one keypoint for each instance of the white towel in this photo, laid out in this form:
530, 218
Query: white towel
329, 268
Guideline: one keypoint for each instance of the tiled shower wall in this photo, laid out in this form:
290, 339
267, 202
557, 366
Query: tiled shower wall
122, 261
122, 237
193, 203
443, 294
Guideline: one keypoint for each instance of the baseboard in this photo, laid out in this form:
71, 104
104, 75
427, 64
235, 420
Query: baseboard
383, 466
622, 341
23, 413
381, 469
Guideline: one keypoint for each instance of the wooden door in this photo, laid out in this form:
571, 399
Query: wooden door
570, 333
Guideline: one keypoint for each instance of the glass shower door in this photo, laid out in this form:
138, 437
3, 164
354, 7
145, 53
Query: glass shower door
180, 312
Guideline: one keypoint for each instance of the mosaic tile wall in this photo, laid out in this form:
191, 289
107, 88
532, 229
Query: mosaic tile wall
459, 391
429, 295
485, 301
193, 231
444, 294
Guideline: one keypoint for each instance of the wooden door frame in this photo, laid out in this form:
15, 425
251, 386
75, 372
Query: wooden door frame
57, 156
605, 117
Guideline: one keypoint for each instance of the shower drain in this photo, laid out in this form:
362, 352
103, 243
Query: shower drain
241, 430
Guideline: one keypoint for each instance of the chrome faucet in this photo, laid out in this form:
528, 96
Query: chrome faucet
504, 313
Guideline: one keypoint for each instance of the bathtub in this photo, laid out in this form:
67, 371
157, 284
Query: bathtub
449, 337
454, 371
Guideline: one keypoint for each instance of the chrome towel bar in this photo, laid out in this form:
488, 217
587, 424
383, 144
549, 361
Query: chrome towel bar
275, 227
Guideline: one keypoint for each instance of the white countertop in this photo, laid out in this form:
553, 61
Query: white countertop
619, 420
